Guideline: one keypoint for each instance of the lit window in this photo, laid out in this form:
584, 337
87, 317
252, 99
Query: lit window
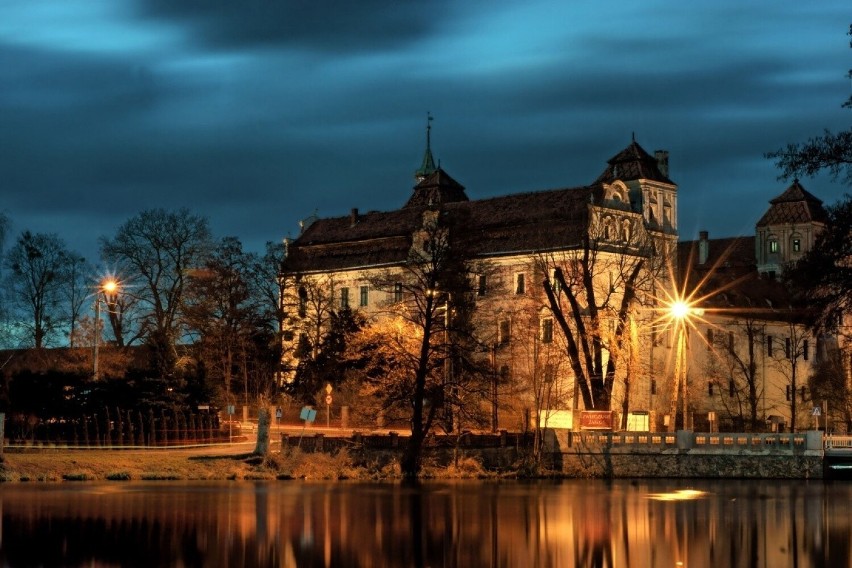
344, 297
773, 246
797, 245
365, 295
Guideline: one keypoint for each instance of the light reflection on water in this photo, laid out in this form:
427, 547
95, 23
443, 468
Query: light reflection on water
645, 523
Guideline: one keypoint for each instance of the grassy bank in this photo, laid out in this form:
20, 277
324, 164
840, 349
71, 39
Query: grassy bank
195, 464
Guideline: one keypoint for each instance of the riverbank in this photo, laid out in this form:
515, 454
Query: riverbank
228, 462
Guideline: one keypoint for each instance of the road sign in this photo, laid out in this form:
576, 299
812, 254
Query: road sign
328, 399
328, 388
817, 411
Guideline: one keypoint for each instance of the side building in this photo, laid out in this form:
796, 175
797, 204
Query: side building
753, 363
566, 284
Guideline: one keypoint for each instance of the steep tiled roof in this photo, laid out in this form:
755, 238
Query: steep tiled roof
437, 187
795, 205
633, 163
512, 224
729, 280
509, 224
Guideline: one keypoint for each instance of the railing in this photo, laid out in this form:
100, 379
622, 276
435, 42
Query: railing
697, 442
835, 442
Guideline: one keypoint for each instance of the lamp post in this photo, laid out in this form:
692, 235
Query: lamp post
679, 313
107, 286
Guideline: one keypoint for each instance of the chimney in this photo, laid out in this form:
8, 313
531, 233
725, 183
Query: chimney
703, 247
353, 217
662, 157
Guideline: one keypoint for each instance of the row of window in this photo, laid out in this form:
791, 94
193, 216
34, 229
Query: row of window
504, 335
804, 351
364, 293
774, 247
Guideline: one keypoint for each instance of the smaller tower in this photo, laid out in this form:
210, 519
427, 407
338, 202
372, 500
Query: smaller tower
427, 168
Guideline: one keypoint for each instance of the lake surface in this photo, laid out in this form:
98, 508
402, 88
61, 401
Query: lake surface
644, 523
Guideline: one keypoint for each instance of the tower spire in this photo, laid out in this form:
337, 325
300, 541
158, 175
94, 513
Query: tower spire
428, 165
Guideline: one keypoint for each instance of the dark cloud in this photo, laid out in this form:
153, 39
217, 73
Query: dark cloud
257, 113
318, 25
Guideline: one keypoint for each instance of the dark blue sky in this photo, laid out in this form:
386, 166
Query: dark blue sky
256, 113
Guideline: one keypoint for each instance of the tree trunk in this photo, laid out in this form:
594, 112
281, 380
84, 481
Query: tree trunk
264, 418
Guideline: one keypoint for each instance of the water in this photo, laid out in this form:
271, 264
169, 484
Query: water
671, 523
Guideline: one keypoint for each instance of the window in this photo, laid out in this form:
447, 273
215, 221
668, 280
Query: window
797, 245
397, 292
547, 330
731, 341
653, 386
732, 388
805, 350
344, 297
709, 339
710, 389
483, 285
554, 280
788, 393
787, 347
503, 332
773, 246
803, 392
520, 285
549, 372
303, 301
365, 296
769, 346
504, 372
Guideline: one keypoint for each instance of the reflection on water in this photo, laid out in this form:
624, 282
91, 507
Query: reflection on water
465, 524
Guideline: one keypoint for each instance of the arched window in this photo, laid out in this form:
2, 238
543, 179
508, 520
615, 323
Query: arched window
772, 246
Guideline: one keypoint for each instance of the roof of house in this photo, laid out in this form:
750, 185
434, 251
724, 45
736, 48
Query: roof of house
633, 163
795, 205
729, 281
510, 224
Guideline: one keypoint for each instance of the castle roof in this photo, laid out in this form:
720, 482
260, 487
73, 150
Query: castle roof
795, 205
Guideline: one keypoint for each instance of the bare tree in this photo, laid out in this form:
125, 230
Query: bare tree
152, 253
39, 274
788, 354
591, 292
733, 370
428, 340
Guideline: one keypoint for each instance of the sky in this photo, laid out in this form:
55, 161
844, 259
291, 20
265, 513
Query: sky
259, 113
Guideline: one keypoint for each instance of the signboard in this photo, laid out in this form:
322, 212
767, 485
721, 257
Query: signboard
561, 419
308, 414
231, 409
203, 407
639, 421
328, 399
817, 411
596, 420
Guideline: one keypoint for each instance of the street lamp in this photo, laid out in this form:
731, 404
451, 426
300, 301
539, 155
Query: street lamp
680, 312
108, 286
